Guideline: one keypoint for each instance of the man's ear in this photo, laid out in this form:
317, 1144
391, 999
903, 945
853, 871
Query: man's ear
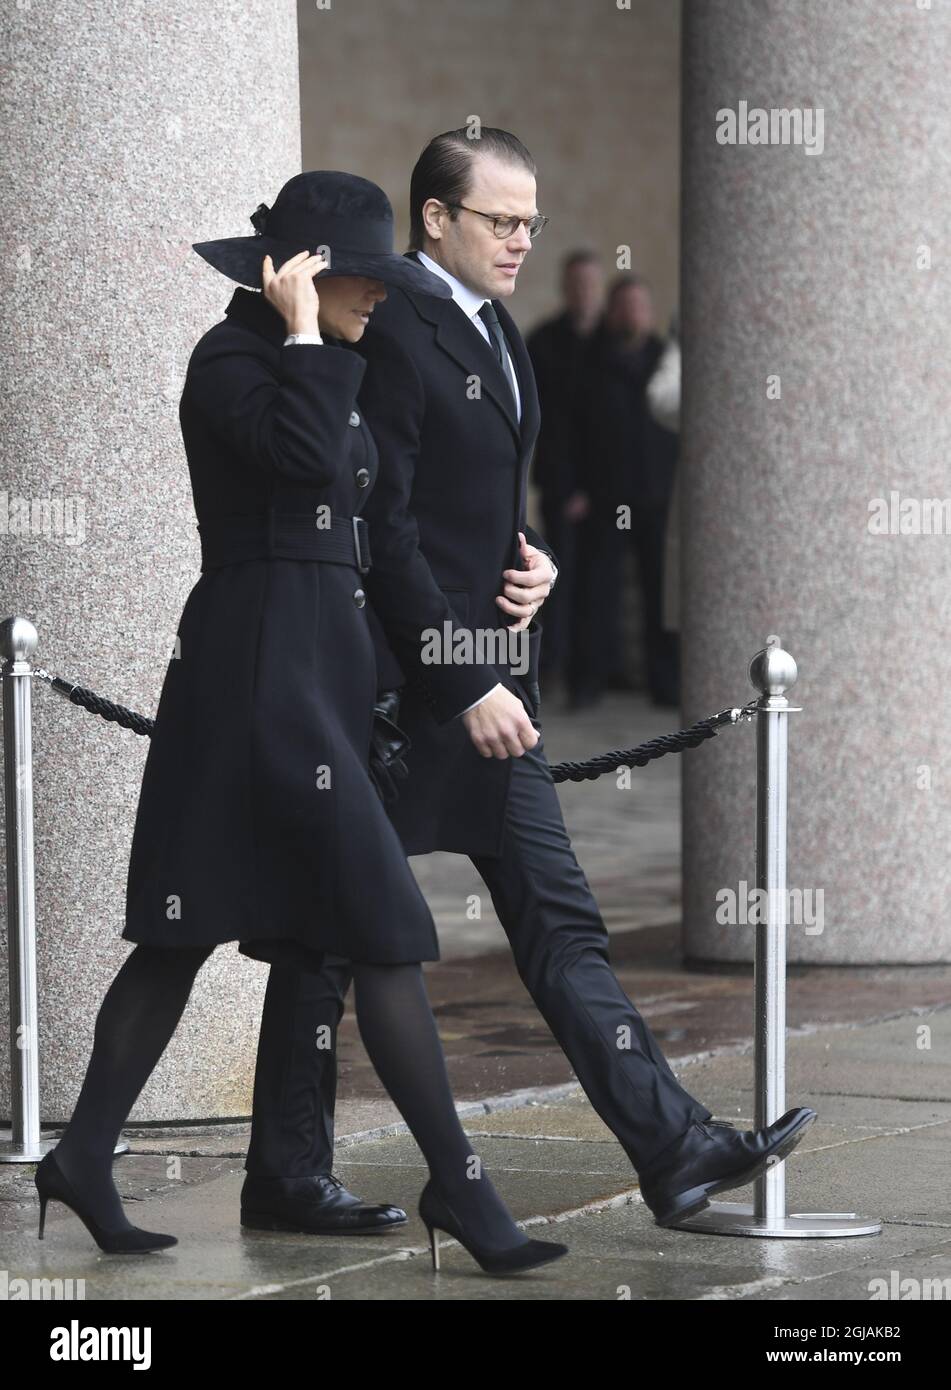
435, 214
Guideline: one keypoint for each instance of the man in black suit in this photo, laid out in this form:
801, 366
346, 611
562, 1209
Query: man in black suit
451, 400
627, 473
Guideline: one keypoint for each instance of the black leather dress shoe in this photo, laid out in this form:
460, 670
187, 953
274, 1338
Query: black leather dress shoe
317, 1205
712, 1157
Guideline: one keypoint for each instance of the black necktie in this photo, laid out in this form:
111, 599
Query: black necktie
497, 338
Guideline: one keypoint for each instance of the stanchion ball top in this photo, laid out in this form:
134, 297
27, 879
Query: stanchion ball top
773, 670
18, 639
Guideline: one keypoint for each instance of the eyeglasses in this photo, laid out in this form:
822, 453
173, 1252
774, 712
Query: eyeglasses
504, 225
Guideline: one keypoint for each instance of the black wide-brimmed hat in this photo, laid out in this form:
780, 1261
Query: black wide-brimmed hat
350, 219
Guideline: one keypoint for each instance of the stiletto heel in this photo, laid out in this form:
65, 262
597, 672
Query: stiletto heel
52, 1184
434, 1246
437, 1214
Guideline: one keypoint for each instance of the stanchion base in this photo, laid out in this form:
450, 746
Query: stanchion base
738, 1219
16, 1153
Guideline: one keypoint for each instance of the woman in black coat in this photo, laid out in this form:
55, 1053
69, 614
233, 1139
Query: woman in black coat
258, 821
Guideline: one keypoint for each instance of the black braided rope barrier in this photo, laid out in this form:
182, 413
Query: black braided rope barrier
586, 771
106, 709
644, 753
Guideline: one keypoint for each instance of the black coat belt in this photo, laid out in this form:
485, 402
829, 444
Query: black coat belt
227, 540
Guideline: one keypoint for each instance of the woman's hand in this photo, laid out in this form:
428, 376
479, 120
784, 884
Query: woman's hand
292, 291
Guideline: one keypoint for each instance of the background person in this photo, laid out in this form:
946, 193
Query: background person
557, 348
629, 460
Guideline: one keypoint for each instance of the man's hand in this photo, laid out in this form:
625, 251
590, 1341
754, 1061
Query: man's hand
526, 590
292, 290
499, 726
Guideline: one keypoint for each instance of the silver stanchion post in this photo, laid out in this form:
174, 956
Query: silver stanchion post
772, 672
18, 640
17, 645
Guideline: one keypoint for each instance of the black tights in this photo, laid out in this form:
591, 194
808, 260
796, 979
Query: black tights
141, 1011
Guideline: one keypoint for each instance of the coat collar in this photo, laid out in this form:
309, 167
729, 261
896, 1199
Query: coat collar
457, 336
253, 310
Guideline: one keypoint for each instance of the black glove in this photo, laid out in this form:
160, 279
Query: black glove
388, 743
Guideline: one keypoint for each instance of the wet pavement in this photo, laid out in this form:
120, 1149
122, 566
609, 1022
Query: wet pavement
869, 1048
880, 1148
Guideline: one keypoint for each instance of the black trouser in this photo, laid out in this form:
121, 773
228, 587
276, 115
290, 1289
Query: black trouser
596, 654
560, 946
558, 613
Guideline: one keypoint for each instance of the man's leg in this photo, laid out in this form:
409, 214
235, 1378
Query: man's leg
560, 945
596, 608
663, 676
295, 1079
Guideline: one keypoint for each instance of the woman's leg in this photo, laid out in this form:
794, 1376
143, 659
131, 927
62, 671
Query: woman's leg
399, 1032
135, 1022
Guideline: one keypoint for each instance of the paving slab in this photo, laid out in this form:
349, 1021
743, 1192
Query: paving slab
566, 1178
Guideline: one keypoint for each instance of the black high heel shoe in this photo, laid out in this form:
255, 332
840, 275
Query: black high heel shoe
437, 1215
52, 1183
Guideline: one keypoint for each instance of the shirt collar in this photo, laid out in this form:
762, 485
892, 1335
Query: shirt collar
468, 302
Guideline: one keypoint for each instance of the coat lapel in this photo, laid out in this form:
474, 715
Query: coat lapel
462, 341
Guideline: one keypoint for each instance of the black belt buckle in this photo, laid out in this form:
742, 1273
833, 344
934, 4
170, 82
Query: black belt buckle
361, 544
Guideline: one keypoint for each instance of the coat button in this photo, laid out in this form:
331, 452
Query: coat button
354, 418
359, 598
363, 477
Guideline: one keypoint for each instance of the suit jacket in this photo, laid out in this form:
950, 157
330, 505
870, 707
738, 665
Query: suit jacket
449, 500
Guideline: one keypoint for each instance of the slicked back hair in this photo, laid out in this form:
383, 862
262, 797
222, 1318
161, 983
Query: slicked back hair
444, 170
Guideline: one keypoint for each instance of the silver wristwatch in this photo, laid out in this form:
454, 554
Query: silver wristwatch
293, 339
